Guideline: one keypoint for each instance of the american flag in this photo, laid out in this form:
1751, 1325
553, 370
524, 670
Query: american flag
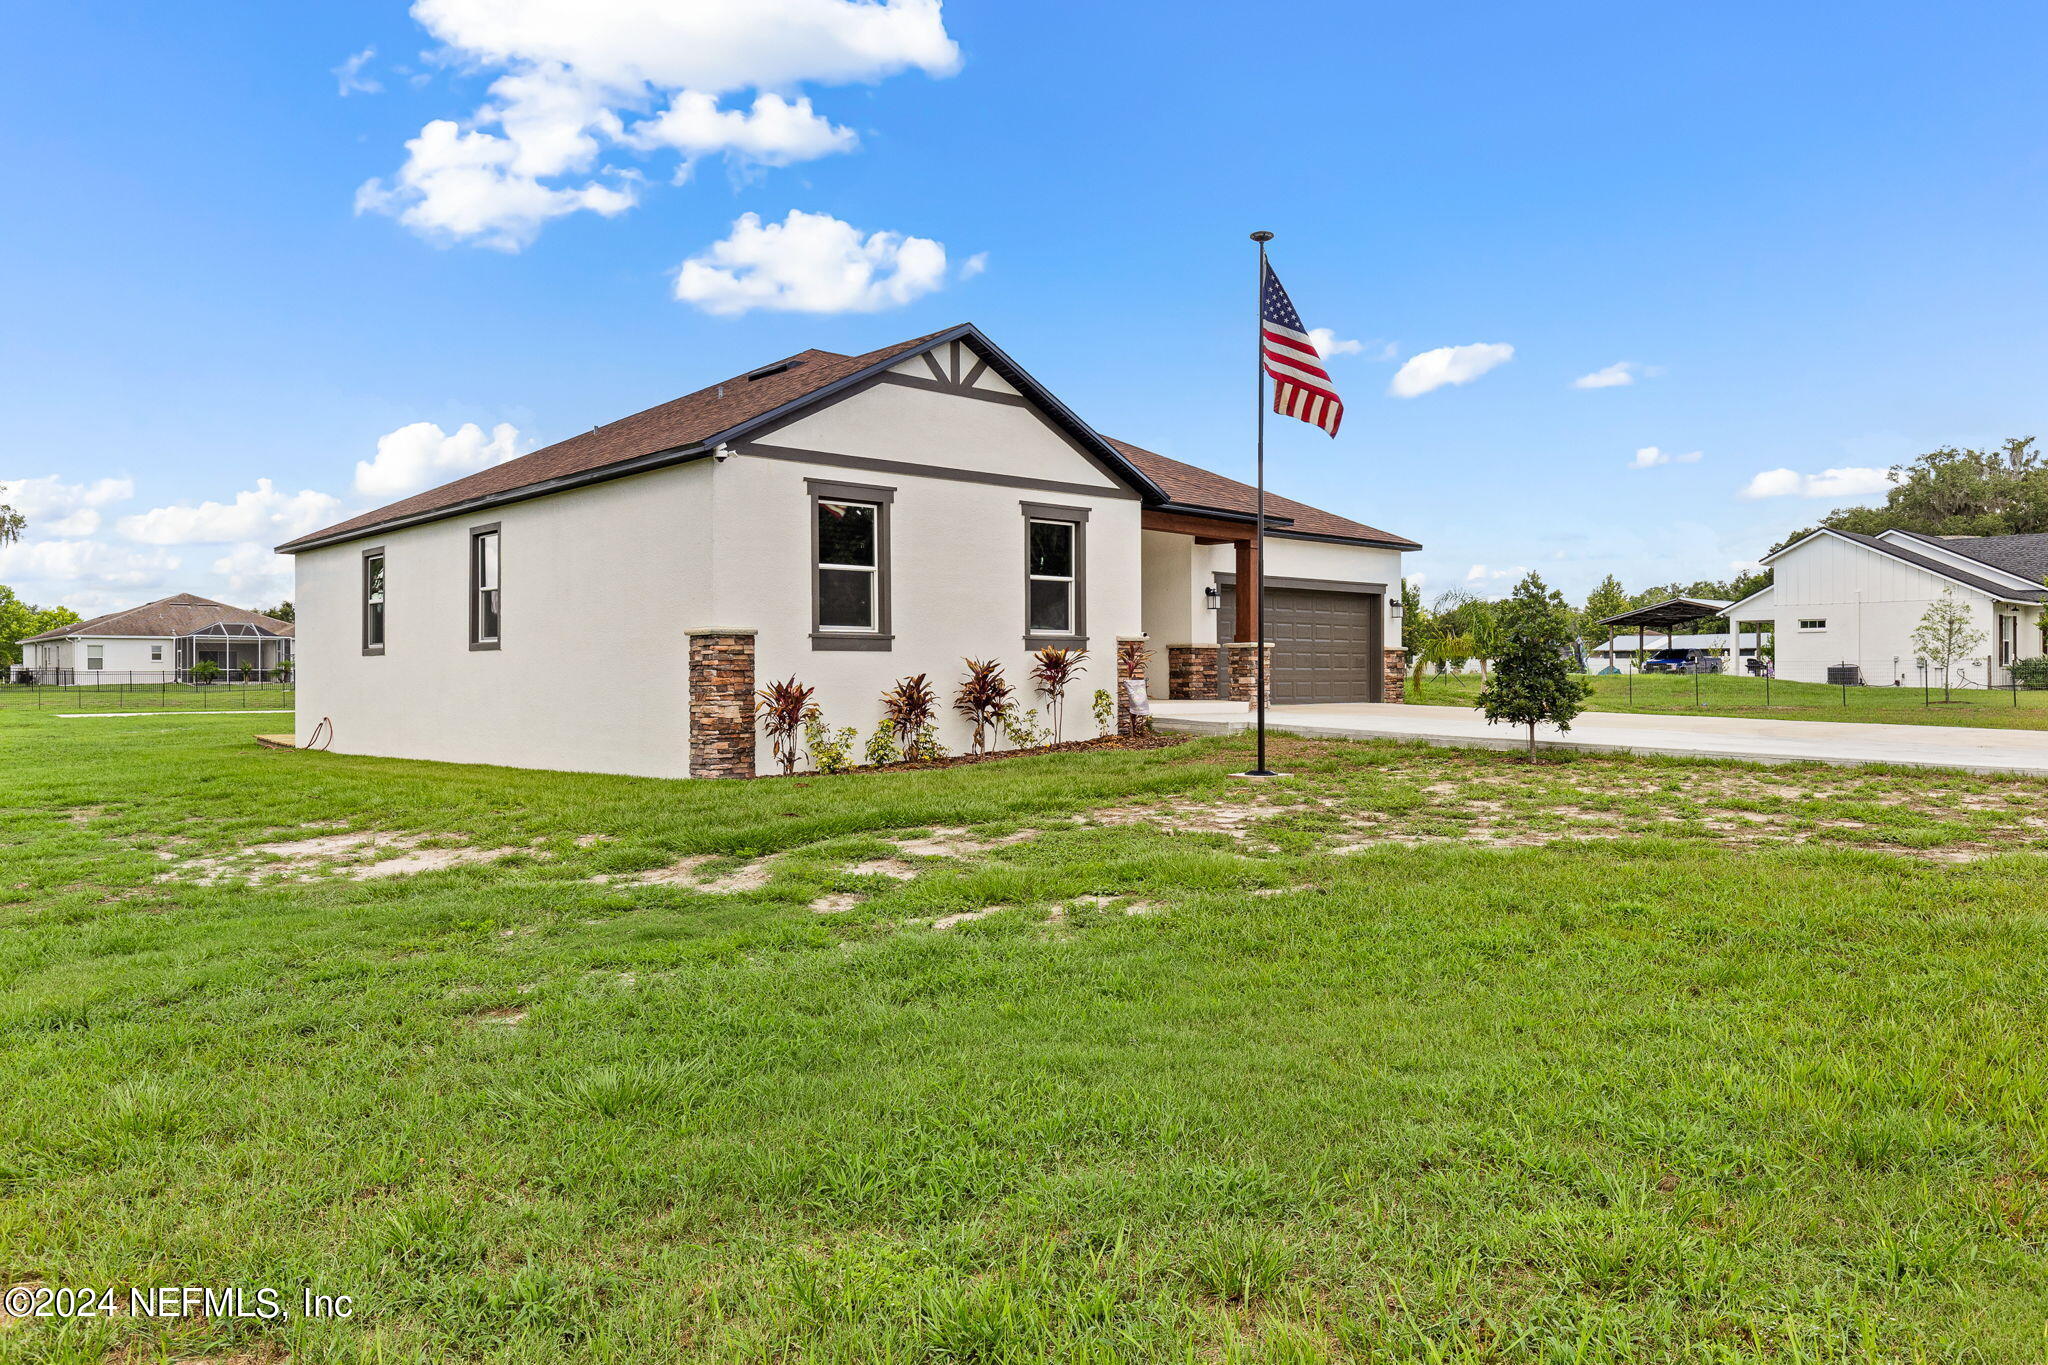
1301, 387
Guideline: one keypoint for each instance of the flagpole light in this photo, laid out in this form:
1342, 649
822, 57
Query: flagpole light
1262, 236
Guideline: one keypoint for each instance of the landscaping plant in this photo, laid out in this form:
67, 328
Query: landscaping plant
831, 750
782, 707
1054, 670
881, 749
907, 709
1104, 707
981, 699
205, 671
1020, 728
1534, 677
1946, 636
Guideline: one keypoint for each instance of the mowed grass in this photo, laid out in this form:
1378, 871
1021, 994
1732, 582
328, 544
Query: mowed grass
1719, 695
169, 696
1402, 1064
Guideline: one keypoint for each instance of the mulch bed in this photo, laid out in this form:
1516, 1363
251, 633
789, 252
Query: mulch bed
1073, 746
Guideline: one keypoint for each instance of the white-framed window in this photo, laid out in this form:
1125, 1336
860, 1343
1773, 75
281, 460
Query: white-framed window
486, 597
95, 656
156, 654
849, 565
373, 601
1813, 623
1050, 576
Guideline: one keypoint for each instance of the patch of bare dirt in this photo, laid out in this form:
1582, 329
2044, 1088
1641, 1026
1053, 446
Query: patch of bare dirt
958, 843
685, 872
884, 867
837, 903
505, 1018
965, 916
357, 857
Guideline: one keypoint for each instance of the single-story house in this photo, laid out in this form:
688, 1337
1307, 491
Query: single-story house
613, 602
1839, 598
158, 642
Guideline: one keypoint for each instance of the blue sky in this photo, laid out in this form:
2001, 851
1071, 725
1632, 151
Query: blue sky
1812, 233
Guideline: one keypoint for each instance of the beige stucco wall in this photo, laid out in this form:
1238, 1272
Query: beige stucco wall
599, 586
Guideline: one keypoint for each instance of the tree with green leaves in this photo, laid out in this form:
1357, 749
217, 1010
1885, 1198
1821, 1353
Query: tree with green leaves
1609, 599
1947, 635
283, 611
1951, 492
19, 620
1534, 679
12, 523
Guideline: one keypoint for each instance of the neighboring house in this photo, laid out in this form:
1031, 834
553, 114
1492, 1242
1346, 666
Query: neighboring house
157, 642
1837, 598
1619, 653
611, 603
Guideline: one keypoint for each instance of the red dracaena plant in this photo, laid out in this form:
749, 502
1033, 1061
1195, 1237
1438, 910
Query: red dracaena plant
1052, 670
909, 707
981, 698
782, 706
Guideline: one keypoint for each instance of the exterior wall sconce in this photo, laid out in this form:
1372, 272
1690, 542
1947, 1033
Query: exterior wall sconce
1394, 610
1212, 597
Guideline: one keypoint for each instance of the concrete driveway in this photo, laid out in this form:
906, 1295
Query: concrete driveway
1758, 741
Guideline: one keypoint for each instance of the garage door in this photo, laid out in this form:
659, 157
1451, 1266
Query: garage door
1325, 644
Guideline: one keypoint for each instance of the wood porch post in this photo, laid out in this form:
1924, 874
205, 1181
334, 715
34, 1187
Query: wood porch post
1247, 596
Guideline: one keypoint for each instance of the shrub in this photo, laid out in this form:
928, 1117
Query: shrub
1020, 728
205, 671
882, 746
924, 746
907, 708
1104, 707
831, 750
1054, 669
283, 671
2031, 673
981, 699
782, 707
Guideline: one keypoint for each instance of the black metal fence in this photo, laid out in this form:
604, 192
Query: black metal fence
164, 694
29, 675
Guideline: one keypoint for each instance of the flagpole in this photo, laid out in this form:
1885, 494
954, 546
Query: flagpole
1259, 769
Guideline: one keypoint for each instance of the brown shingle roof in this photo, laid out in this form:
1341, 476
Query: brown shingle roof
179, 615
685, 421
1201, 488
717, 409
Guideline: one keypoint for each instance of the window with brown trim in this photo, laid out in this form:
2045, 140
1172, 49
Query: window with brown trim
1055, 576
486, 595
849, 565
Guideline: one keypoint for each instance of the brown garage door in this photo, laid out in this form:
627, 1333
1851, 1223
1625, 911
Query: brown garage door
1325, 644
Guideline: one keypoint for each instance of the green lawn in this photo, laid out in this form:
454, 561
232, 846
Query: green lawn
1419, 1055
1717, 695
217, 696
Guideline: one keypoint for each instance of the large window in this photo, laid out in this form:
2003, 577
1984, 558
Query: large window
850, 565
1055, 576
373, 601
486, 601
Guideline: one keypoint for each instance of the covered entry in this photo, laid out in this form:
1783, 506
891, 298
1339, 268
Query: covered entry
1327, 637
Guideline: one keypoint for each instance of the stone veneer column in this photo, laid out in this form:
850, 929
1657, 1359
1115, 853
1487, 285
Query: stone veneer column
721, 702
1191, 672
1243, 674
1130, 664
1396, 676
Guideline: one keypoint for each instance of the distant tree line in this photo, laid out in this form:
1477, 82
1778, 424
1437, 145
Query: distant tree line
1951, 492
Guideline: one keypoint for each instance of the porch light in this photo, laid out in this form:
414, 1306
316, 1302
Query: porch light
1212, 597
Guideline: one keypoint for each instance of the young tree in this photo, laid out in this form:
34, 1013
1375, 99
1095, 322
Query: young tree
1609, 599
1533, 677
1946, 635
1483, 628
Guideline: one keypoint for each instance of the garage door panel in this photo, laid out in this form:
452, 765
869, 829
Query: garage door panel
1323, 643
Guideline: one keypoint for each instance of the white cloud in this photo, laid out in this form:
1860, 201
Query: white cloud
1479, 573
1649, 457
974, 265
421, 455
349, 75
1618, 375
258, 513
574, 71
809, 263
64, 564
56, 508
1328, 344
1854, 482
250, 569
1447, 365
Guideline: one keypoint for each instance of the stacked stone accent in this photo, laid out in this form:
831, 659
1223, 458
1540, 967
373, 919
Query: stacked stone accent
1395, 687
1243, 666
722, 703
1191, 672
1130, 664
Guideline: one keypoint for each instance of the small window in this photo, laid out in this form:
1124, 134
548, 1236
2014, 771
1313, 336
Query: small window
95, 656
849, 564
156, 654
486, 604
373, 602
1055, 576
1813, 623
1051, 575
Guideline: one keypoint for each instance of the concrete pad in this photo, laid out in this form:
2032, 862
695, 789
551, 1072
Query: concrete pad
1963, 748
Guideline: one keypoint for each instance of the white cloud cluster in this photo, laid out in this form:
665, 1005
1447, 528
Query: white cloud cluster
1419, 374
1649, 457
421, 455
809, 263
349, 78
56, 508
1479, 573
71, 562
255, 514
637, 76
1854, 482
255, 572
1328, 344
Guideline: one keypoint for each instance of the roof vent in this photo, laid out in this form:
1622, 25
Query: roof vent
777, 368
